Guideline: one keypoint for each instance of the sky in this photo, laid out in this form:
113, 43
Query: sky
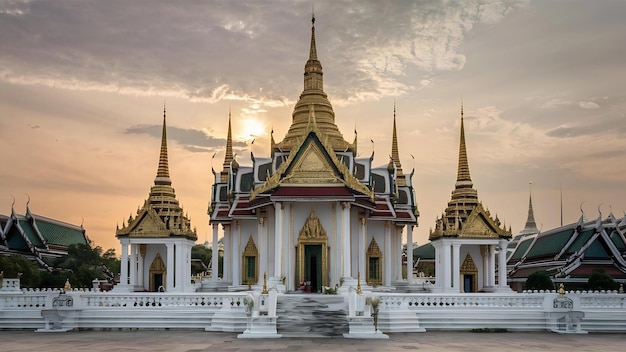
83, 84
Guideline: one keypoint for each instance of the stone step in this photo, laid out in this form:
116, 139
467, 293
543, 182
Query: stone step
312, 315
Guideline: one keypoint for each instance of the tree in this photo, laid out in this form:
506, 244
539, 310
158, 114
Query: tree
539, 280
600, 280
15, 265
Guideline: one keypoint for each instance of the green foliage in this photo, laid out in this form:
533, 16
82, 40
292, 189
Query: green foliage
539, 280
13, 264
201, 252
600, 280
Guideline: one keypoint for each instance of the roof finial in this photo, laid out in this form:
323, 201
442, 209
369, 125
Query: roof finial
163, 174
313, 14
531, 225
463, 174
395, 154
228, 157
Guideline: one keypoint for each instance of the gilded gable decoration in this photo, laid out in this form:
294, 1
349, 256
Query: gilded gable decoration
468, 265
250, 249
312, 229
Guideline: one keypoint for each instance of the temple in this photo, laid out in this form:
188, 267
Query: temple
160, 238
466, 238
38, 238
312, 214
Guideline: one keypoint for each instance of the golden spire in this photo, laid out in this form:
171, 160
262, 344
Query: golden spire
313, 94
463, 179
531, 225
395, 155
163, 174
228, 156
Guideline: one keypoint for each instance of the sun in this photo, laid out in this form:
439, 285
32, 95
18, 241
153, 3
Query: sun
252, 128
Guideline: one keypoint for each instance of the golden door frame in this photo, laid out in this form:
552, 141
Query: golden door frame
250, 251
373, 251
312, 233
469, 268
157, 267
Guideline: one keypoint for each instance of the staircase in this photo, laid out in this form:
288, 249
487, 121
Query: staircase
312, 315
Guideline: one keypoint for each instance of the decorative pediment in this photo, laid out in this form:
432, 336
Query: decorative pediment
250, 250
312, 229
312, 167
146, 224
480, 225
468, 265
313, 162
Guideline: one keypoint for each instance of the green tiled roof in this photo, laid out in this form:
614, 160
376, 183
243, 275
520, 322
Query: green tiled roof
617, 240
425, 251
550, 245
596, 251
522, 247
580, 241
15, 240
58, 234
30, 233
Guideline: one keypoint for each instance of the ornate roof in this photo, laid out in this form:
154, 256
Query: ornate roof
314, 97
161, 215
465, 215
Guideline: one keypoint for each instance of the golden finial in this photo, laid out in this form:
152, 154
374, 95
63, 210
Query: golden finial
561, 290
463, 174
264, 292
395, 154
67, 286
228, 156
163, 174
358, 284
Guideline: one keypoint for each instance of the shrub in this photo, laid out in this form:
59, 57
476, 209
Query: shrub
539, 280
600, 280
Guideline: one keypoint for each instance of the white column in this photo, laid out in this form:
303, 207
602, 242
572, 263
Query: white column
502, 264
447, 267
387, 255
438, 264
278, 239
346, 272
409, 253
362, 249
456, 266
215, 254
492, 265
133, 266
236, 236
226, 271
262, 239
170, 267
124, 262
179, 263
140, 269
397, 247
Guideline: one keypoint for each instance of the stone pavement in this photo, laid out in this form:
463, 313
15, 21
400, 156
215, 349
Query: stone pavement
196, 341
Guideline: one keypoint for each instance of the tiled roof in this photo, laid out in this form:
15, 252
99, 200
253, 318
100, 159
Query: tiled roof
580, 241
550, 245
30, 233
55, 233
522, 247
425, 252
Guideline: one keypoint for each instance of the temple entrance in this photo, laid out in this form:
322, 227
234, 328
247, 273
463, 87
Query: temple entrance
468, 283
469, 273
157, 270
313, 268
312, 255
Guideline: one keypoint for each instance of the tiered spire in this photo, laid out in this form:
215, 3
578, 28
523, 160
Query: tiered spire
313, 95
463, 179
531, 226
228, 155
395, 154
163, 173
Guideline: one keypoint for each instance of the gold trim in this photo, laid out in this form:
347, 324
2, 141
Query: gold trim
250, 251
157, 267
373, 251
469, 268
312, 233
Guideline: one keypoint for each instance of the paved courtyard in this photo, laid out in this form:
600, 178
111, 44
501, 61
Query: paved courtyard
196, 341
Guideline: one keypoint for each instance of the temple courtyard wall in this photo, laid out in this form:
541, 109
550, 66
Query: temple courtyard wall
370, 314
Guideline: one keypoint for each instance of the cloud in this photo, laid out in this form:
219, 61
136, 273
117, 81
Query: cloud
201, 51
588, 105
192, 140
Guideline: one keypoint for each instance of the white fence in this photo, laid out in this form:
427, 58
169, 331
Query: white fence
231, 311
